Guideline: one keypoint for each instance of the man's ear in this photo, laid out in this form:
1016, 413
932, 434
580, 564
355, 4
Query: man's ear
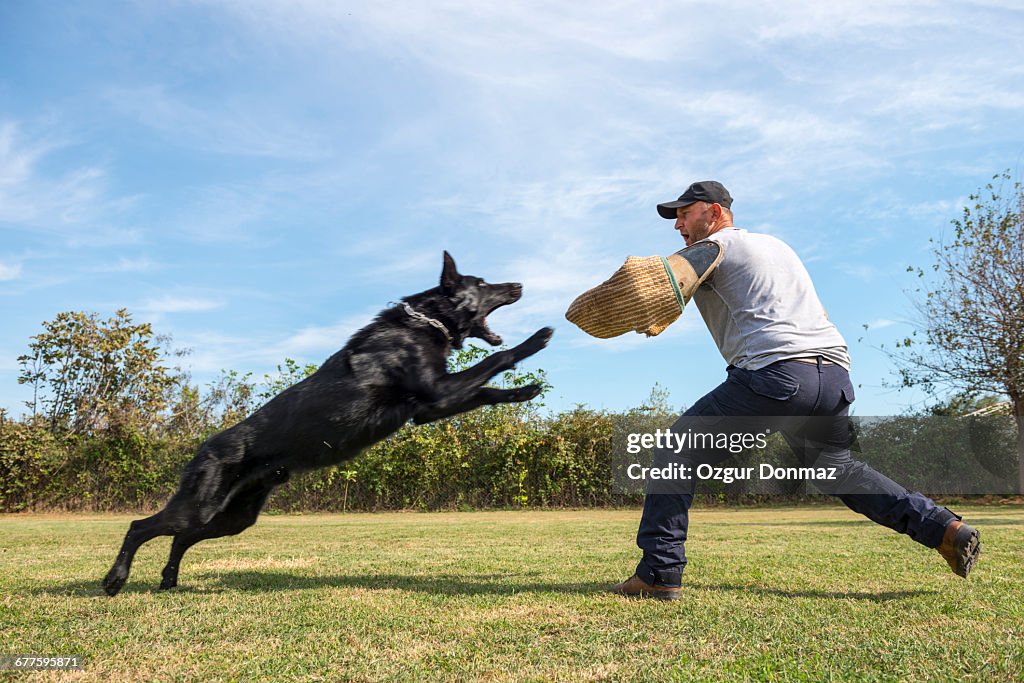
449, 275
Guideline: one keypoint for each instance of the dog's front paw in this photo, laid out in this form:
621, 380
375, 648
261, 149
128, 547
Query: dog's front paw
114, 580
521, 394
535, 343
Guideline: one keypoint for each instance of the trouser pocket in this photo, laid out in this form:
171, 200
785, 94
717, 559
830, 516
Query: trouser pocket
773, 382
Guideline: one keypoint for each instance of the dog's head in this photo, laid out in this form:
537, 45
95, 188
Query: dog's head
475, 299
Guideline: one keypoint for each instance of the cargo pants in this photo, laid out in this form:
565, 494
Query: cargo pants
809, 403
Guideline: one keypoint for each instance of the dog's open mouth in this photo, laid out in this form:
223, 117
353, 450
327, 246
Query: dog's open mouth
480, 328
482, 331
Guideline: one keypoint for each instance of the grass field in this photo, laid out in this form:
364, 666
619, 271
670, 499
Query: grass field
779, 594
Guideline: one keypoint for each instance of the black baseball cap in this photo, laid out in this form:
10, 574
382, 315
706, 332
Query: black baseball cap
710, 191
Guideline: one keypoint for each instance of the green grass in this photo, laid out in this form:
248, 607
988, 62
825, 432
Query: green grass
781, 594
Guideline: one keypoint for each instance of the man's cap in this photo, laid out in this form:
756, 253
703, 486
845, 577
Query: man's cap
710, 191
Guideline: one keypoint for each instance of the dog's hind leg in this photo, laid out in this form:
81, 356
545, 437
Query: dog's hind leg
140, 531
239, 514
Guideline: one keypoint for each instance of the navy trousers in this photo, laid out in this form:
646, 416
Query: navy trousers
809, 403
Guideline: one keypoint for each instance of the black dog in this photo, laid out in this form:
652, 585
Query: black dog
391, 371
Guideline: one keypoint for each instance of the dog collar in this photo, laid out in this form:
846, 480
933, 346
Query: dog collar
416, 315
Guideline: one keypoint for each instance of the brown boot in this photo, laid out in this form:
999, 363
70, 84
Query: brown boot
961, 546
635, 587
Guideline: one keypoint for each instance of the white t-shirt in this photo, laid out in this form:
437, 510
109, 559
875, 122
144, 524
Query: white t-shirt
760, 305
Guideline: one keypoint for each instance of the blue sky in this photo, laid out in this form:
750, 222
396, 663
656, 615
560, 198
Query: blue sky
259, 178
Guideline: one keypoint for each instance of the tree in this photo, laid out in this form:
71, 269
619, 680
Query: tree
288, 374
90, 375
972, 313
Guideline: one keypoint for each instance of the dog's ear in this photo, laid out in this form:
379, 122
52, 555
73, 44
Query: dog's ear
449, 275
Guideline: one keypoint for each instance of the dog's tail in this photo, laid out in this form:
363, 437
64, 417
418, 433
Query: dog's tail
263, 476
205, 477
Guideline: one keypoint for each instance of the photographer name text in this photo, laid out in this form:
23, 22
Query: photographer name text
727, 475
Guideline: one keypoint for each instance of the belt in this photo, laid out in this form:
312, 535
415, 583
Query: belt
813, 360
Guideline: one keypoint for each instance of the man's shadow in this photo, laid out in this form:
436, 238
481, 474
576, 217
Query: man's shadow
885, 596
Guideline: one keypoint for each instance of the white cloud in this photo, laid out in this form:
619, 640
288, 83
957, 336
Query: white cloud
390, 262
445, 33
861, 271
9, 271
850, 20
225, 214
941, 210
547, 98
228, 126
179, 304
128, 265
102, 236
17, 158
210, 352
31, 198
318, 342
555, 96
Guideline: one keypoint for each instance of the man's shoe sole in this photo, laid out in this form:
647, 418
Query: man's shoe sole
634, 587
967, 544
666, 596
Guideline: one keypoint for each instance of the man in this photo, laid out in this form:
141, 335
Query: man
788, 369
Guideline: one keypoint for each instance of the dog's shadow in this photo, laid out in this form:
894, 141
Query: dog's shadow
440, 585
270, 582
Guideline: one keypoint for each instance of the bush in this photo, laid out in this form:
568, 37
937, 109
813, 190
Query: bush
30, 457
